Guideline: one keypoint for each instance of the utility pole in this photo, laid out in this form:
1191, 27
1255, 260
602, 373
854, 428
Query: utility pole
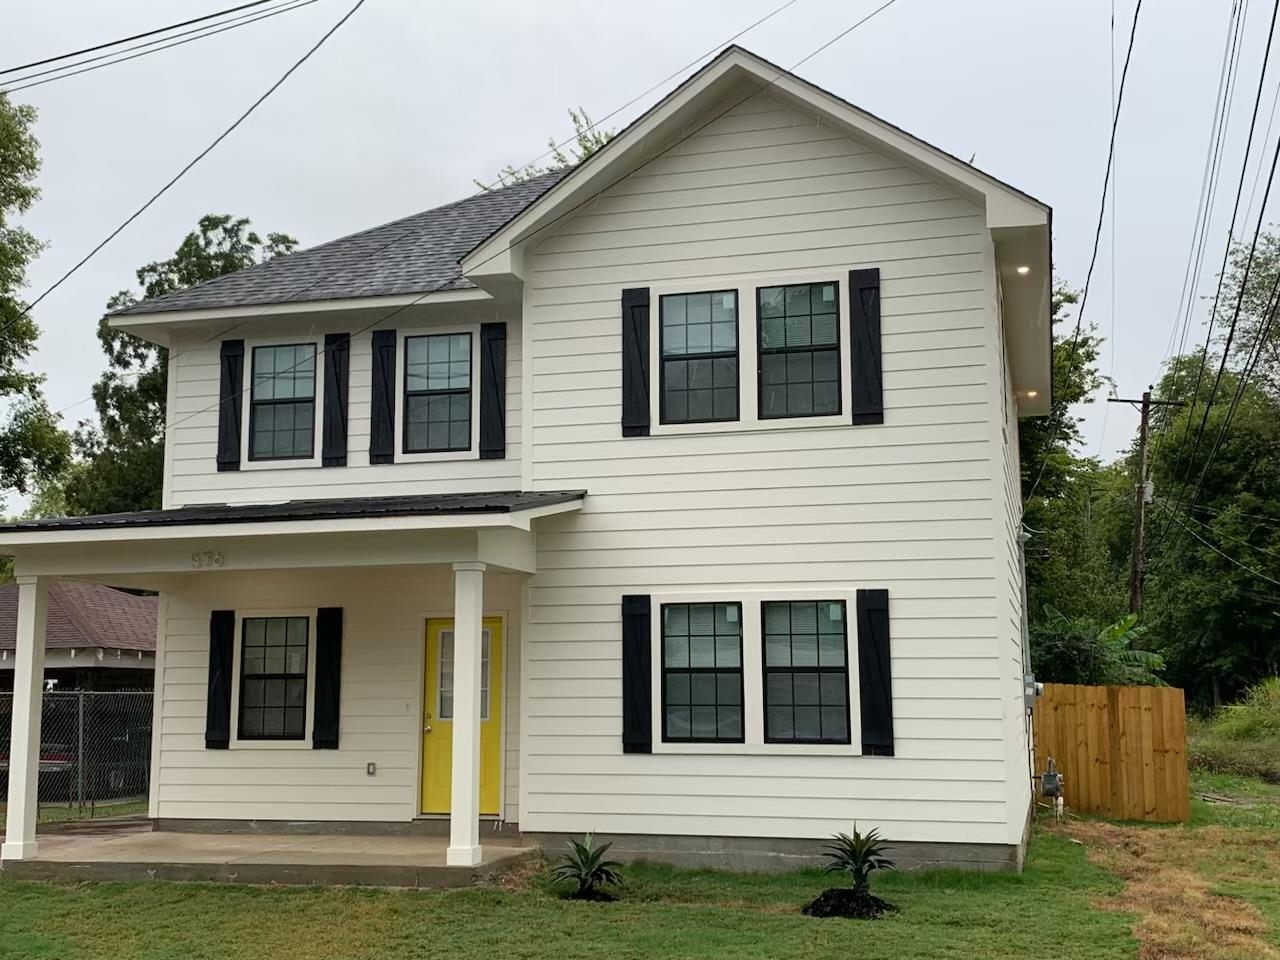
1143, 493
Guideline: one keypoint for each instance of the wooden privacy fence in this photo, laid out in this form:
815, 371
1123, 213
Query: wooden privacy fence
1122, 751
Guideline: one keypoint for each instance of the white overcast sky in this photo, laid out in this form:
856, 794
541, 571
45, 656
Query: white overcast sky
412, 99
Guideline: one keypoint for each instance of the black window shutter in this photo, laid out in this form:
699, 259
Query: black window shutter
635, 362
382, 429
324, 733
222, 638
864, 341
637, 678
493, 391
337, 366
875, 682
230, 404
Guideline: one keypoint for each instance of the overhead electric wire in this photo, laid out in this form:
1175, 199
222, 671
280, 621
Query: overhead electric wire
1175, 518
1226, 253
181, 173
1106, 180
496, 183
572, 210
153, 46
136, 36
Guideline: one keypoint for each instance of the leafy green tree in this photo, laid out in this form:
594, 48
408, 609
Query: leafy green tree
1077, 650
121, 456
588, 138
1213, 582
32, 444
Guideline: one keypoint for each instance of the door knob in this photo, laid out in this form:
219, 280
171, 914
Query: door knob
427, 728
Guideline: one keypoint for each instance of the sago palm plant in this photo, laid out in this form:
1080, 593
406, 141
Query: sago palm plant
585, 865
859, 856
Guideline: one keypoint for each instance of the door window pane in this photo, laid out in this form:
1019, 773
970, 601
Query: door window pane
444, 676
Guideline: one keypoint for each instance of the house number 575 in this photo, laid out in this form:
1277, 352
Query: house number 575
206, 558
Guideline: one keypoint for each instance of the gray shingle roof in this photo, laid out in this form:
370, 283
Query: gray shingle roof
412, 255
85, 615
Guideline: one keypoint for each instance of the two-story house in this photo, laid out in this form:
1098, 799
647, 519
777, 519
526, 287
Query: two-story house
674, 496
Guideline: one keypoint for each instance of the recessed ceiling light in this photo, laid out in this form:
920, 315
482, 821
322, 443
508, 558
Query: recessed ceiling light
1023, 270
1033, 393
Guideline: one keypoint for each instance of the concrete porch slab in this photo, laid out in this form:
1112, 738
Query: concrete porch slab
136, 852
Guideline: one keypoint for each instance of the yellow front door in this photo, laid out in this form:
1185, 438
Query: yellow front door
437, 721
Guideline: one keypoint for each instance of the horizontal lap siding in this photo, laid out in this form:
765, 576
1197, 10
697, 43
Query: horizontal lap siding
381, 711
908, 505
193, 417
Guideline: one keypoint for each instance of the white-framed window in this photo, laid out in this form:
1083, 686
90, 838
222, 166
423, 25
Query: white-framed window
272, 699
755, 672
790, 354
444, 677
283, 403
438, 406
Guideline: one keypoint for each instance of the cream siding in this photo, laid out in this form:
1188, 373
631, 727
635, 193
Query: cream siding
385, 613
193, 477
769, 194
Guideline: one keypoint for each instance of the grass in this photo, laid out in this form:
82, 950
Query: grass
1249, 802
663, 913
59, 813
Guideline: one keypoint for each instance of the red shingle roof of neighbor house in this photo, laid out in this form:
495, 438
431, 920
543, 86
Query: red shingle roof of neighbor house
85, 615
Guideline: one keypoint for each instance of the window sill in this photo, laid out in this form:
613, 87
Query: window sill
761, 749
442, 456
284, 463
270, 745
751, 426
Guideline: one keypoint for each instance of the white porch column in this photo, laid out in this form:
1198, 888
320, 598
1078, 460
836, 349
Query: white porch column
24, 748
464, 812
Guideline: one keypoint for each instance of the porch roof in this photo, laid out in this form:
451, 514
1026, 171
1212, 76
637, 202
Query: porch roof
348, 508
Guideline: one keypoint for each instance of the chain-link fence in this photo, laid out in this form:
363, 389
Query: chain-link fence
95, 750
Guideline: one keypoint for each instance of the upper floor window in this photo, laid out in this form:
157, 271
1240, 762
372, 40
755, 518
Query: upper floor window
437, 393
699, 342
282, 402
799, 350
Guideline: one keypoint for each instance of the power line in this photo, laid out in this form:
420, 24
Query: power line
1213, 311
181, 173
136, 36
153, 46
1244, 543
1106, 180
496, 183
1174, 517
574, 209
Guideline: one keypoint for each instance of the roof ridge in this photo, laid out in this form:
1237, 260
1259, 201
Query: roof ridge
57, 594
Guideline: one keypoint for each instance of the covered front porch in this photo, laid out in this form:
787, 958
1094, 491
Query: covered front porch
344, 669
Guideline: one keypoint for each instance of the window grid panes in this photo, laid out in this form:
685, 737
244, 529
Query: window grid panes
444, 702
702, 672
806, 672
273, 678
437, 392
282, 402
799, 334
699, 342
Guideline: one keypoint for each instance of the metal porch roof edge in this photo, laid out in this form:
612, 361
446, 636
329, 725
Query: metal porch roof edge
350, 508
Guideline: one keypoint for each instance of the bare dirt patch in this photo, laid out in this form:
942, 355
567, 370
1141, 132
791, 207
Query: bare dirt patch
1179, 915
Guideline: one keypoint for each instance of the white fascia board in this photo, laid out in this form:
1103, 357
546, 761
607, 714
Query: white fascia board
1005, 205
155, 326
273, 528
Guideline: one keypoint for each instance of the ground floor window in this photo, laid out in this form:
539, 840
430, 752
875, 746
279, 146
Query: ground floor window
702, 672
273, 678
806, 672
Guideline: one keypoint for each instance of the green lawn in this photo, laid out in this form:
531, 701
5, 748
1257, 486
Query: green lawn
664, 913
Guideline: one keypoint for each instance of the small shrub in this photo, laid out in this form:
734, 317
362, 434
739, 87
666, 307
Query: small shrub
585, 866
858, 855
1256, 717
1243, 738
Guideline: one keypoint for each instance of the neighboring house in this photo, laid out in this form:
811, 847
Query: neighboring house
96, 637
673, 497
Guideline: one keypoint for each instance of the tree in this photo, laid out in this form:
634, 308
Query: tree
1077, 650
121, 456
32, 445
588, 138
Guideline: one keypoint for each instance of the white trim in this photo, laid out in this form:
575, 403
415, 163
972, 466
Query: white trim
246, 431
305, 742
305, 306
749, 418
157, 705
402, 378
753, 674
273, 528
